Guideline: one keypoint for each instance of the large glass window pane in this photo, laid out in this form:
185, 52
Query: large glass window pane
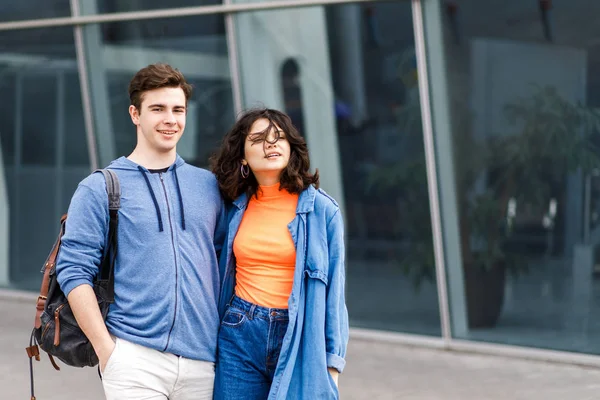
114, 6
33, 9
195, 45
523, 93
347, 76
43, 145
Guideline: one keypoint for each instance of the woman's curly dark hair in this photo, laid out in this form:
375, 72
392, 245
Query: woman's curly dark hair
226, 164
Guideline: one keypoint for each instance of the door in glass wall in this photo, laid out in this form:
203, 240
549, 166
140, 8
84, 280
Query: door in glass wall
347, 76
524, 88
43, 146
195, 45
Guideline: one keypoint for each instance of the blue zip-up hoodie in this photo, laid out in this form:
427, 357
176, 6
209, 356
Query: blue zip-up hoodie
171, 227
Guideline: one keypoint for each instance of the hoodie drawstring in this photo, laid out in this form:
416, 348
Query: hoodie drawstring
160, 223
158, 214
180, 198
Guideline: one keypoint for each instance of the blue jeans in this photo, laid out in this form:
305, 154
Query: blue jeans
249, 344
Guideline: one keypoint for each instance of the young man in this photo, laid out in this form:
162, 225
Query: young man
159, 339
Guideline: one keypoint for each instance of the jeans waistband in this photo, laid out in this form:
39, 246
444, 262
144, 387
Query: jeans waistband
256, 311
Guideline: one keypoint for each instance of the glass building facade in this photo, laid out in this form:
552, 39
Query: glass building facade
460, 138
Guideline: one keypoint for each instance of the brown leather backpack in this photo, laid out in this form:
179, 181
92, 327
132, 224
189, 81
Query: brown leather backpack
55, 328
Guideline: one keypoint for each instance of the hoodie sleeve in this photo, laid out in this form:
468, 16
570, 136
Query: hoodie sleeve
336, 317
85, 235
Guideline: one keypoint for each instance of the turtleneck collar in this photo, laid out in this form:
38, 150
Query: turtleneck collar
271, 191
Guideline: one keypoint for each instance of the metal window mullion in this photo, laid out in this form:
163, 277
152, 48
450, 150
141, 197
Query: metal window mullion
430, 160
15, 231
234, 65
476, 347
86, 100
59, 163
78, 19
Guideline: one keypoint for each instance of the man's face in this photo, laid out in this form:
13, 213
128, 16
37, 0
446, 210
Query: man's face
160, 120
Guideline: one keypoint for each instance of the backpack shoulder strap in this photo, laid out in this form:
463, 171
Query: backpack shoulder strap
113, 188
107, 267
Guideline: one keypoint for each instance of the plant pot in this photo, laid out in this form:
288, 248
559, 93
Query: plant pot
484, 294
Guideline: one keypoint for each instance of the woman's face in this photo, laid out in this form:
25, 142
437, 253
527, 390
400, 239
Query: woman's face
267, 158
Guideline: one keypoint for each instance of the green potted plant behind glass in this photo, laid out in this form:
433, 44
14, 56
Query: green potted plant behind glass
554, 138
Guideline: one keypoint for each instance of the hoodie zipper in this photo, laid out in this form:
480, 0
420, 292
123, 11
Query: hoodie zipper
174, 257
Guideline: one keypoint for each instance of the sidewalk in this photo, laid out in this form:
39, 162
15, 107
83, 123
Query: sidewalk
375, 371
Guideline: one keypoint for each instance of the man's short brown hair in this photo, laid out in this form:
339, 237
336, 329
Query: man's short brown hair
156, 76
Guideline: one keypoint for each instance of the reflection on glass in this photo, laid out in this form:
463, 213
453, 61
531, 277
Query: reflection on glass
391, 270
33, 9
292, 93
525, 127
356, 96
194, 45
42, 140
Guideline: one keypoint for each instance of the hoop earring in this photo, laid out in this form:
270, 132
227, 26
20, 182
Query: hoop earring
245, 171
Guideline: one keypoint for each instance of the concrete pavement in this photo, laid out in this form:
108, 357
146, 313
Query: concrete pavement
375, 371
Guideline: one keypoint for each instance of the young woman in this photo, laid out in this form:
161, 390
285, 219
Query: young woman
284, 327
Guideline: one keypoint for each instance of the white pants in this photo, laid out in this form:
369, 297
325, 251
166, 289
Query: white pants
135, 372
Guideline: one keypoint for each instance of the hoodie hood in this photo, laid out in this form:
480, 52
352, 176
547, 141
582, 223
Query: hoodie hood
124, 163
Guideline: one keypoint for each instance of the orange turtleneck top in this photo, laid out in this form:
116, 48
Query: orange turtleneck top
264, 250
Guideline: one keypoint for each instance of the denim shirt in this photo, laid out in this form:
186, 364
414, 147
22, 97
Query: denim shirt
317, 333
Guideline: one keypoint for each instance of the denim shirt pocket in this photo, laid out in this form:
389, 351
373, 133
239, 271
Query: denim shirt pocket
316, 266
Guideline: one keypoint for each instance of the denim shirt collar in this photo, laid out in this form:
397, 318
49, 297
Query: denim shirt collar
306, 201
241, 201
